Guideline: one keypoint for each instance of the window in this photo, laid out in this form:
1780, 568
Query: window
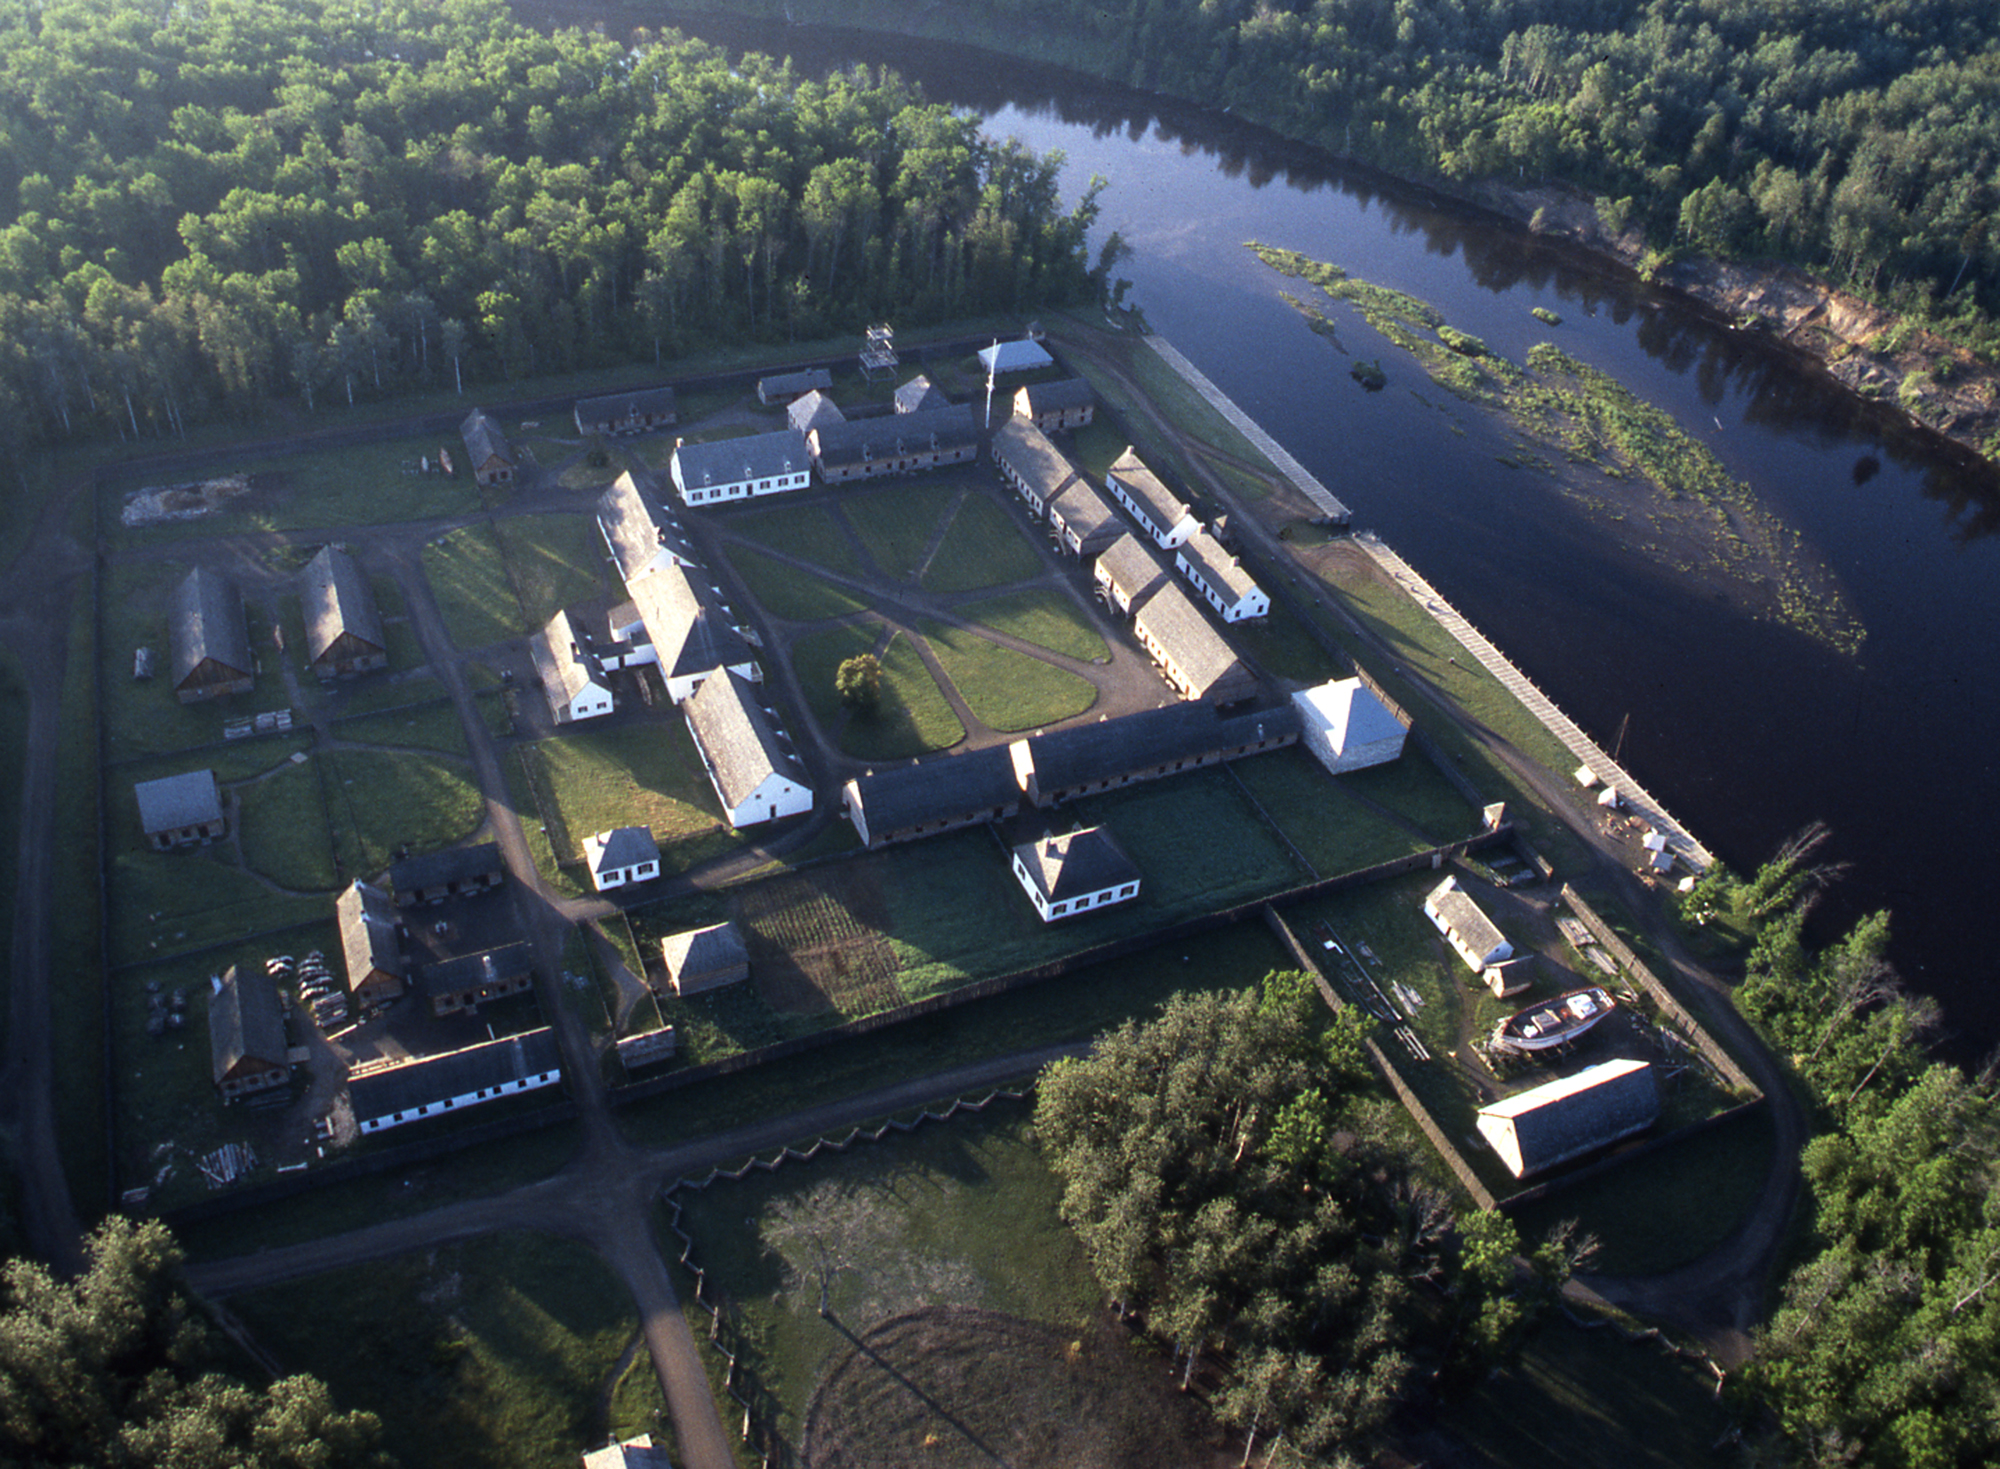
1059, 909
1129, 889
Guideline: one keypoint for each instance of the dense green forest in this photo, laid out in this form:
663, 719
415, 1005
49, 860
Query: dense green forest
209, 206
1858, 137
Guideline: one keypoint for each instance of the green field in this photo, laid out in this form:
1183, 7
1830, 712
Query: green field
898, 522
817, 656
785, 591
554, 560
142, 716
983, 548
431, 726
641, 775
1335, 831
808, 532
172, 902
493, 1351
382, 799
1006, 690
468, 575
284, 829
1042, 617
913, 717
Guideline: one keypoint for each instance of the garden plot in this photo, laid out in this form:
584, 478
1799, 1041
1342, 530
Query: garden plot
816, 943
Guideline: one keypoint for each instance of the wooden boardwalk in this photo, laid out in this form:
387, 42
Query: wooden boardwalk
1680, 840
1244, 424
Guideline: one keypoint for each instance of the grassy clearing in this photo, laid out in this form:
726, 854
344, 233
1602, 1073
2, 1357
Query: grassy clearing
391, 691
382, 799
284, 829
1045, 618
360, 484
1335, 831
959, 1214
1006, 690
642, 775
172, 902
493, 1351
817, 656
468, 574
983, 548
898, 522
554, 560
785, 591
1096, 447
433, 726
1197, 839
913, 717
1282, 647
808, 532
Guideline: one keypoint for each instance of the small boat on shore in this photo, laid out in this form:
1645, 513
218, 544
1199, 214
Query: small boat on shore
1554, 1022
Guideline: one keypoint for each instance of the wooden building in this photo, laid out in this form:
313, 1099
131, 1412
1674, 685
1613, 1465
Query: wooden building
453, 872
741, 468
704, 958
486, 449
902, 443
1220, 578
1067, 403
246, 1034
636, 412
181, 810
1535, 1130
756, 776
370, 944
932, 796
210, 640
436, 1086
1161, 513
1193, 657
343, 630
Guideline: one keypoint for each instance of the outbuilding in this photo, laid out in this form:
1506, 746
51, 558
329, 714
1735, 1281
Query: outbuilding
434, 876
343, 630
621, 856
573, 681
1347, 725
784, 387
486, 449
704, 958
370, 944
246, 1034
1534, 1130
181, 810
1075, 872
1473, 936
1024, 355
1065, 404
211, 642
435, 1086
933, 796
636, 412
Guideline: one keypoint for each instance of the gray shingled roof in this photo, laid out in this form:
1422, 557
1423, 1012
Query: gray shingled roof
690, 635
1565, 1119
943, 788
736, 738
617, 407
368, 941
1173, 621
473, 972
1134, 569
793, 384
622, 847
483, 439
1087, 515
336, 599
865, 440
206, 619
1028, 453
432, 1079
1076, 863
919, 394
1216, 567
633, 529
730, 461
175, 801
1467, 919
1057, 397
564, 665
1162, 505
453, 864
244, 1022
814, 410
702, 951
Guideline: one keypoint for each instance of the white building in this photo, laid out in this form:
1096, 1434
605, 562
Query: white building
756, 778
1347, 726
572, 679
740, 469
432, 1086
1076, 872
690, 633
1223, 584
1161, 513
1473, 936
621, 856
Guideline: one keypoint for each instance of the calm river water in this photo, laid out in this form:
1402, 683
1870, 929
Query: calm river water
1746, 730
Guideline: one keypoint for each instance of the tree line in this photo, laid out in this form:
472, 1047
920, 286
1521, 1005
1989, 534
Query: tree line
205, 208
1858, 139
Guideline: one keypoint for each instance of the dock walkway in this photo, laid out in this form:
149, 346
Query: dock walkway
1538, 703
1244, 424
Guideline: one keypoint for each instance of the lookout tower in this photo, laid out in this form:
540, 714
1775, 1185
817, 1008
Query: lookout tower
878, 353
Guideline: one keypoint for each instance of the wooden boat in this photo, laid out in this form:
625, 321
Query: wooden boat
1554, 1022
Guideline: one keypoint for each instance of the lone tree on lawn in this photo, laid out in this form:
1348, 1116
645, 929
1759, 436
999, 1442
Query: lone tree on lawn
859, 681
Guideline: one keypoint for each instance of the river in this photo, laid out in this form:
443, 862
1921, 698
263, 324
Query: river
1746, 729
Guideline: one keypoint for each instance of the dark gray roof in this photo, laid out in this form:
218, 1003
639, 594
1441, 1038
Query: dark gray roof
244, 1022
731, 461
1029, 454
793, 384
1565, 1119
1179, 627
1467, 919
483, 439
736, 737
814, 410
368, 941
207, 622
1133, 568
865, 440
701, 951
1076, 863
943, 788
453, 864
1064, 759
1056, 397
1087, 515
454, 1074
690, 635
635, 403
919, 394
336, 599
175, 801
475, 971
624, 846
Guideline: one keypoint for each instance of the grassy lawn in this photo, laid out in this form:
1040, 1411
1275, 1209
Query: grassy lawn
493, 1351
817, 656
382, 799
359, 484
957, 1214
785, 591
469, 576
808, 532
983, 548
913, 717
1045, 618
432, 726
641, 775
1006, 690
284, 828
1283, 648
1197, 840
1415, 790
390, 691
897, 522
1335, 832
172, 902
554, 560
